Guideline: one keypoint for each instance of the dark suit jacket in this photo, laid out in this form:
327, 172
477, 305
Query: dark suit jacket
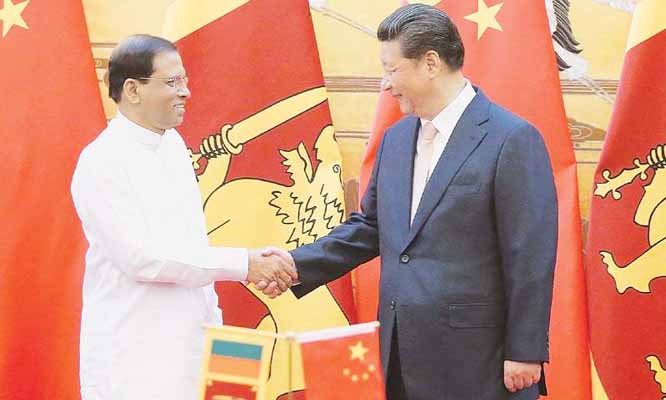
469, 284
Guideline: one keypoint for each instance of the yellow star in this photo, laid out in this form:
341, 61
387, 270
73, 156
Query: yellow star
358, 351
485, 17
10, 15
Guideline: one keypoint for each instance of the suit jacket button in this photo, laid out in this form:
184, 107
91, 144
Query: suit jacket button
404, 258
392, 304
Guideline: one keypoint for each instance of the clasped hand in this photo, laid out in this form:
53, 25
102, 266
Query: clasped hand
271, 270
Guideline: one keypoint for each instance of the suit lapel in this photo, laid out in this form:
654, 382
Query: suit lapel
399, 191
466, 136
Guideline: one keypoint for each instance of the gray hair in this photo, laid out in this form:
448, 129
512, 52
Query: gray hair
421, 28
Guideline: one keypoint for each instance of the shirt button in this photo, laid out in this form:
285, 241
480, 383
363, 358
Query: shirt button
404, 258
392, 304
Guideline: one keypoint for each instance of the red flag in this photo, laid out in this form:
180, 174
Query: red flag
269, 168
626, 273
367, 275
343, 363
509, 55
50, 110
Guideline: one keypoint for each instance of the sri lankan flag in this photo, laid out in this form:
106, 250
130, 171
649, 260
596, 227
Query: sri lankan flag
263, 146
236, 363
626, 250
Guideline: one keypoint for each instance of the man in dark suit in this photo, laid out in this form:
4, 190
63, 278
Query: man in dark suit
462, 209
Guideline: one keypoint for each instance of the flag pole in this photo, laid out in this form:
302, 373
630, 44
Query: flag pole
291, 339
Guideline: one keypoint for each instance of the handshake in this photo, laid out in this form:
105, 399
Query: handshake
271, 270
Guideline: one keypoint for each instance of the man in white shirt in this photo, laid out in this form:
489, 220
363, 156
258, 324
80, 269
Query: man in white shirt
148, 285
461, 206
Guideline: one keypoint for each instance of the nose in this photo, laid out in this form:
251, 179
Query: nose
385, 83
184, 92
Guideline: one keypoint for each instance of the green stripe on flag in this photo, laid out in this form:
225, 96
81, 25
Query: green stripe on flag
235, 349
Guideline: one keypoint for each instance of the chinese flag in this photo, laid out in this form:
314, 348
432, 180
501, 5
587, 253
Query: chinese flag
50, 109
626, 251
343, 363
509, 55
268, 165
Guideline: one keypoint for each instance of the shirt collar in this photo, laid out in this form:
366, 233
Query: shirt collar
137, 133
452, 112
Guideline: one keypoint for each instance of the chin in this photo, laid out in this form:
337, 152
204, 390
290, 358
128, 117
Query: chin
178, 121
406, 109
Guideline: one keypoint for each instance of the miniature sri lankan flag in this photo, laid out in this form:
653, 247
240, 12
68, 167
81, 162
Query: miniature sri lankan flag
235, 360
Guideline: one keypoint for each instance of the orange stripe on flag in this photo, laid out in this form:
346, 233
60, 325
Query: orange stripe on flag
234, 366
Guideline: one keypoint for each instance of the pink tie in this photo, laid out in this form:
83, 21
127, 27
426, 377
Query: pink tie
422, 162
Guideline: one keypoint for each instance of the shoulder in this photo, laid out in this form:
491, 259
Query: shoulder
101, 150
510, 127
403, 126
408, 122
106, 155
507, 122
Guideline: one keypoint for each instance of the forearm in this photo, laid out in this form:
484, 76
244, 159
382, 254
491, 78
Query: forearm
526, 209
191, 267
347, 246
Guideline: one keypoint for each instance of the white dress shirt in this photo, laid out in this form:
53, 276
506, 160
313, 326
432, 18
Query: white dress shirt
147, 289
445, 122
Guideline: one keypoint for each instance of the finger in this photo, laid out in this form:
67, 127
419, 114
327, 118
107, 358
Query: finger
218, 141
261, 285
283, 285
508, 383
286, 277
203, 148
293, 272
276, 292
536, 377
283, 274
530, 381
210, 142
283, 254
520, 382
271, 288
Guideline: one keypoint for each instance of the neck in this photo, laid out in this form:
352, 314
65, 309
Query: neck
134, 115
446, 89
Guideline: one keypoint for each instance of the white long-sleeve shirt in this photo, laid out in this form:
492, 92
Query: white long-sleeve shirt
147, 290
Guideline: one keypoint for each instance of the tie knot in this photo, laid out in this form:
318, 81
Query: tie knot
429, 131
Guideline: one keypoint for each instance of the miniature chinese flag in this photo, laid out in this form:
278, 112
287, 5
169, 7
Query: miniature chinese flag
343, 363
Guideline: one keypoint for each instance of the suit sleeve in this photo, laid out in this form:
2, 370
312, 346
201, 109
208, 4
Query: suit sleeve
348, 245
526, 216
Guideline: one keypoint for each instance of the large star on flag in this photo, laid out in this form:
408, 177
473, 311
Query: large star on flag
358, 351
485, 17
10, 15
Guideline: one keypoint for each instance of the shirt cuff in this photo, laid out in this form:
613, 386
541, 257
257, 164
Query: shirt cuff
230, 263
